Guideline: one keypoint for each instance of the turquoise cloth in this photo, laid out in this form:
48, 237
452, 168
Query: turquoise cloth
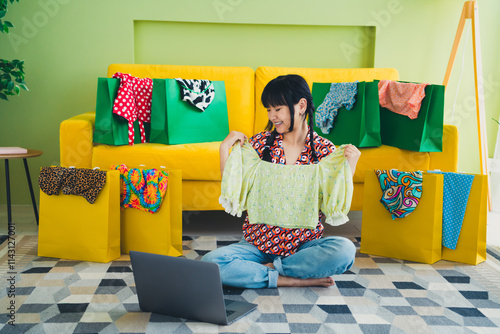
288, 196
456, 189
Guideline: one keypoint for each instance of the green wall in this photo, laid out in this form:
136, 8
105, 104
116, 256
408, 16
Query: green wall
67, 44
253, 45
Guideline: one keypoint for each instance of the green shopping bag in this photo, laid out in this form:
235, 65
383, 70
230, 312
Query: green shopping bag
359, 126
174, 121
110, 128
422, 134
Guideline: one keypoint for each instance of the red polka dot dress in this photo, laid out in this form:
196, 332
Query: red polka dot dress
133, 103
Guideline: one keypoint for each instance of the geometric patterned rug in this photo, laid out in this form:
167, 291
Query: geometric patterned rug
377, 295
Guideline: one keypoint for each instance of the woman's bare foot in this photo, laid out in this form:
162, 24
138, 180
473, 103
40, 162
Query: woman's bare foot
269, 265
292, 281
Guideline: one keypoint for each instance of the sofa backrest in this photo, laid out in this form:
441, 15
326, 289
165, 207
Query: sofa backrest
239, 83
265, 74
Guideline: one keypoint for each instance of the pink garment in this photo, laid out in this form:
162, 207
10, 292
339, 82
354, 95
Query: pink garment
400, 97
133, 102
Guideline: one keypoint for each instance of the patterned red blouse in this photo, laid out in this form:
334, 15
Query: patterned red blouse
278, 240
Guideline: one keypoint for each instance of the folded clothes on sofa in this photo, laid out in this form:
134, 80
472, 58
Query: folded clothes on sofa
142, 189
133, 102
72, 181
401, 191
342, 94
401, 97
200, 93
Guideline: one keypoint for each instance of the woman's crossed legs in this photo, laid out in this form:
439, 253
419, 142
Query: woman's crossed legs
243, 265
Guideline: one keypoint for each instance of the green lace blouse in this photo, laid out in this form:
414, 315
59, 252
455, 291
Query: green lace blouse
288, 196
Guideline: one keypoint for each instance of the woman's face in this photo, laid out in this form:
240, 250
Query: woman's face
280, 116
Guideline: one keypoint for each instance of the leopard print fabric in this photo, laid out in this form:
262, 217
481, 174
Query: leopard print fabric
50, 179
72, 181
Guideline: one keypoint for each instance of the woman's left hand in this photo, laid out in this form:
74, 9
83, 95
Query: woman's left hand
352, 155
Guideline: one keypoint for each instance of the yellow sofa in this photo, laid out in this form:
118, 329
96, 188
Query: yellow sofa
200, 162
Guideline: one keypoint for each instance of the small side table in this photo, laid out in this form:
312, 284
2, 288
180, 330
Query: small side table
7, 157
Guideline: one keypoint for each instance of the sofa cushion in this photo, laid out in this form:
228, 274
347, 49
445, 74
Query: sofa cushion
197, 161
239, 82
265, 74
388, 157
446, 161
75, 140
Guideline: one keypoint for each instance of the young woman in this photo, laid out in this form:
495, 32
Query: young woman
288, 257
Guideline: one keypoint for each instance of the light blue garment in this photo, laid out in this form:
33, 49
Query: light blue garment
342, 94
242, 264
456, 189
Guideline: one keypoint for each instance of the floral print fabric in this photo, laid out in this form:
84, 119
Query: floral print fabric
342, 94
401, 97
401, 191
142, 189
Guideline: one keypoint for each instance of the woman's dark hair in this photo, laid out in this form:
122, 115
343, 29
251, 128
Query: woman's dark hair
287, 90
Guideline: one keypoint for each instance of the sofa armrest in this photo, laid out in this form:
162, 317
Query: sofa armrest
76, 140
446, 161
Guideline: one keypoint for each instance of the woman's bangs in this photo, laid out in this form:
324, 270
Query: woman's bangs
272, 96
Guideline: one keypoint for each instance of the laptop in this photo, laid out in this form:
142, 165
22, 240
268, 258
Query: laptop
183, 288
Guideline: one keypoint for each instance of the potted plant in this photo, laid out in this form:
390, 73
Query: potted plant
11, 72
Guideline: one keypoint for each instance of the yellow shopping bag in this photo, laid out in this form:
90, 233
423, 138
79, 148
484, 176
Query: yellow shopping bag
417, 237
72, 228
471, 245
160, 232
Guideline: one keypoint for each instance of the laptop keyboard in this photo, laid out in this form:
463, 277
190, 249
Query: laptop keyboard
229, 312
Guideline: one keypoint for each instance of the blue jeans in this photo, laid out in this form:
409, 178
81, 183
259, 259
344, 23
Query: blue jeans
242, 264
